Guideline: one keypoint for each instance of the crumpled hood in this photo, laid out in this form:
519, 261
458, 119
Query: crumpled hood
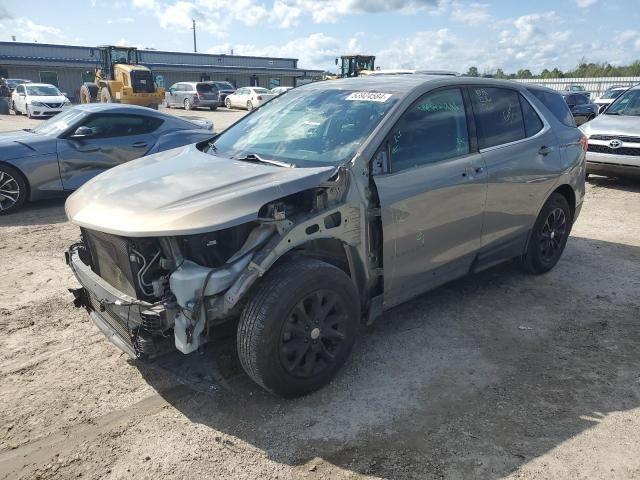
183, 191
18, 144
623, 125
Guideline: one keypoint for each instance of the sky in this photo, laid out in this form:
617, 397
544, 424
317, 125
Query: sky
435, 34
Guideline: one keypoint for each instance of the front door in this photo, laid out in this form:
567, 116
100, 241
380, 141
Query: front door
432, 199
20, 99
113, 139
172, 94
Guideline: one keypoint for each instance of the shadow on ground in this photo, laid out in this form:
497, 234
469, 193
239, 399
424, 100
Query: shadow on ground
627, 184
471, 380
41, 212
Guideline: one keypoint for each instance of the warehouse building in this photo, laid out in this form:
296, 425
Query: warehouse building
68, 67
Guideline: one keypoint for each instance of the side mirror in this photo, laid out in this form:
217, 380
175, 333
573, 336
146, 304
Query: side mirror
82, 132
380, 164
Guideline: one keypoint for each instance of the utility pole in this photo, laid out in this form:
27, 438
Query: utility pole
195, 49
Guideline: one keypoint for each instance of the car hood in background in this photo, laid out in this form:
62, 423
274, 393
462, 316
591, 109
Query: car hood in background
48, 99
19, 143
183, 191
623, 125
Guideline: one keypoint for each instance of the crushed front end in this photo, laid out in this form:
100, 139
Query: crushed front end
147, 295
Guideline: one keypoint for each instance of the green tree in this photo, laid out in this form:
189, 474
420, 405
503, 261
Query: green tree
524, 73
473, 72
500, 73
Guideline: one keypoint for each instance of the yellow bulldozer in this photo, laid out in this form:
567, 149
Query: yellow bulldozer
119, 78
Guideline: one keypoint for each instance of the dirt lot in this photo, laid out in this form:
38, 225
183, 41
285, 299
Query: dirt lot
496, 375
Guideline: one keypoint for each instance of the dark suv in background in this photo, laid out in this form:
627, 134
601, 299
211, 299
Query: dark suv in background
190, 95
581, 106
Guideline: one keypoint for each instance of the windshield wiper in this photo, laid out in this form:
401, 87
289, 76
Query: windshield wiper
252, 157
612, 113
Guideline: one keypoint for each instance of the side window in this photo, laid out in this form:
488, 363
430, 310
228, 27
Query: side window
580, 100
433, 129
556, 105
20, 89
174, 87
498, 116
532, 122
115, 125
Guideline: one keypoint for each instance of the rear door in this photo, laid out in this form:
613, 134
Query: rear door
522, 158
432, 199
207, 92
116, 139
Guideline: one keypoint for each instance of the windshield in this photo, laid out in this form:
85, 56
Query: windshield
60, 123
609, 94
626, 104
42, 90
307, 128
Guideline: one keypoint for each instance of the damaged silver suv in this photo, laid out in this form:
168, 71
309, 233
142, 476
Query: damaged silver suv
318, 211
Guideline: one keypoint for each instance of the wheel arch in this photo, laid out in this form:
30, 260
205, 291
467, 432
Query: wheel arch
22, 174
569, 194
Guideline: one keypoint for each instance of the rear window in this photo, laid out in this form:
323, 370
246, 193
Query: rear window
225, 86
206, 88
556, 105
261, 90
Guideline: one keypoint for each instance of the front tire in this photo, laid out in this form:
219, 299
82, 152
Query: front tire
28, 112
13, 189
549, 235
105, 95
187, 104
298, 327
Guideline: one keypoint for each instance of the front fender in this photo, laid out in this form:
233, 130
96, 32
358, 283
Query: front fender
179, 139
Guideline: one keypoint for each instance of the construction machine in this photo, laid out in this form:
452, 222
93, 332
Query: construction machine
119, 78
356, 65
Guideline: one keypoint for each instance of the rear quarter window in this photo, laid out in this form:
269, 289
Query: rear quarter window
556, 105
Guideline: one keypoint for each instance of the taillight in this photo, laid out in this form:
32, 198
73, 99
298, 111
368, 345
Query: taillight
200, 94
584, 141
259, 97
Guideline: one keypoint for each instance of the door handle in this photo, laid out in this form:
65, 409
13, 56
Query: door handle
88, 149
544, 150
139, 145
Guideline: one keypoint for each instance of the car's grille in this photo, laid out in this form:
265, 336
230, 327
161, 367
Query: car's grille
613, 137
53, 105
635, 152
110, 260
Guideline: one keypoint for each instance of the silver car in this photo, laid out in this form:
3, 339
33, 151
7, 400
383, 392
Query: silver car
193, 95
62, 153
322, 209
614, 137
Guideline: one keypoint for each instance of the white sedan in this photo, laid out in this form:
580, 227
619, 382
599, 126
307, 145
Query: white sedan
248, 97
38, 100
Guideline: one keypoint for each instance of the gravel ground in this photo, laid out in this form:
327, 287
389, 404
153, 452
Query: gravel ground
496, 375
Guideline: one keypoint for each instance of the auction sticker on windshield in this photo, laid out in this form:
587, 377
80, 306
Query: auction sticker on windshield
369, 96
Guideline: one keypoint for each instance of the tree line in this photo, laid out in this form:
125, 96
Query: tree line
582, 70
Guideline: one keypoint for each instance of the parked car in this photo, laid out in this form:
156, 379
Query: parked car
280, 90
190, 95
225, 89
614, 137
38, 100
320, 210
12, 83
65, 151
248, 97
405, 71
608, 97
579, 89
581, 107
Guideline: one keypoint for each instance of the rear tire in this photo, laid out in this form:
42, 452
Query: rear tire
213, 108
298, 327
227, 103
85, 95
15, 109
249, 105
13, 189
549, 236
